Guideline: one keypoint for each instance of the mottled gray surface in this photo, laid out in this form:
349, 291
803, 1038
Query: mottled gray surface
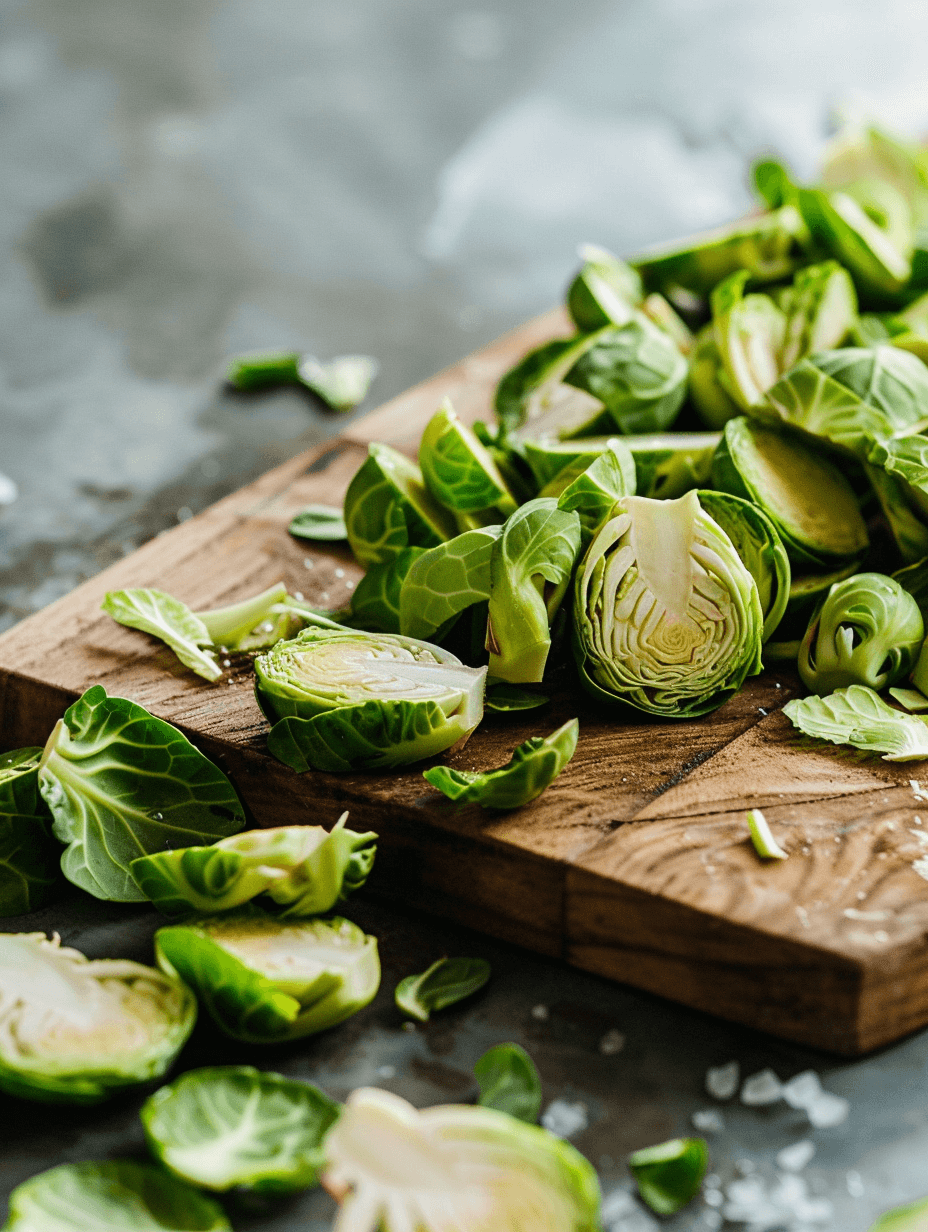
187, 178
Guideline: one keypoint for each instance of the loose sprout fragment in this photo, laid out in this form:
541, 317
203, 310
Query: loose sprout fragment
341, 383
458, 470
445, 581
765, 844
605, 290
509, 1082
30, 873
446, 982
669, 1176
857, 716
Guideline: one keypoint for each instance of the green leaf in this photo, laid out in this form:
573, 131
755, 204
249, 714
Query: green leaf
604, 291
234, 1126
343, 382
445, 581
122, 784
163, 616
321, 523
252, 623
458, 470
911, 699
533, 767
913, 1217
30, 873
533, 396
509, 1082
116, 1196
445, 983
264, 368
508, 697
593, 491
857, 716
375, 603
669, 1176
264, 980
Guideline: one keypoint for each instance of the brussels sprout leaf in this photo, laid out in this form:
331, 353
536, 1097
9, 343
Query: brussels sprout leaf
765, 844
857, 716
507, 697
509, 1082
669, 1176
322, 523
445, 581
375, 604
153, 611
913, 1217
234, 1126
30, 872
122, 784
264, 368
911, 699
343, 382
533, 767
446, 982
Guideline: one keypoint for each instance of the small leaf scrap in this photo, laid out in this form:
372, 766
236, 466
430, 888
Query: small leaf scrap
446, 982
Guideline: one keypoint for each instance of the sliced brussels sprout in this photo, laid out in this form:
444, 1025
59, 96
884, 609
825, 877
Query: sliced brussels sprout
821, 311
761, 550
446, 982
232, 1126
263, 980
749, 331
395, 1168
865, 153
445, 581
530, 569
342, 699
768, 246
637, 372
592, 492
112, 1196
533, 398
869, 631
388, 508
857, 716
713, 403
76, 1031
534, 766
122, 784
303, 869
30, 872
509, 1082
900, 511
842, 226
669, 1176
605, 290
343, 382
807, 592
666, 616
808, 499
458, 470
375, 601
669, 464
762, 839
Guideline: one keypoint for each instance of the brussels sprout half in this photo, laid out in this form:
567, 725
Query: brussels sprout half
605, 290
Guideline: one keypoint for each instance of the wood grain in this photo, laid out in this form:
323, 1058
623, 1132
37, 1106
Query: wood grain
635, 864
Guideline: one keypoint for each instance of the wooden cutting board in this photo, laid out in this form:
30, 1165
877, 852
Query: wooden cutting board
635, 864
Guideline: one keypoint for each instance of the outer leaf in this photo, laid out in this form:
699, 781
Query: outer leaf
539, 545
605, 290
458, 470
444, 581
250, 623
892, 381
906, 462
857, 716
122, 784
341, 383
507, 697
234, 1126
509, 1082
167, 618
263, 980
910, 1218
899, 504
532, 395
375, 603
445, 983
321, 523
29, 856
533, 767
669, 1175
592, 493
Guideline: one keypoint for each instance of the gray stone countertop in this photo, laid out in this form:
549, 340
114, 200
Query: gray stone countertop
186, 179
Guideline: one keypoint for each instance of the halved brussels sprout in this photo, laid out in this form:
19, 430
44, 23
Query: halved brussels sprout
807, 591
530, 569
375, 601
842, 226
78, 1031
303, 869
605, 290
341, 699
455, 1167
389, 508
749, 331
768, 246
666, 616
264, 980
761, 550
712, 401
669, 1176
232, 1126
445, 581
900, 506
865, 153
669, 464
533, 398
458, 470
30, 871
821, 311
869, 631
807, 498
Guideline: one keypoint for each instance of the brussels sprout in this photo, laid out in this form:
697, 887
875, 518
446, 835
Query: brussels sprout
591, 493
458, 470
304, 869
807, 592
914, 579
665, 317
669, 1176
821, 311
509, 1082
375, 602
749, 333
445, 983
548, 456
530, 568
866, 154
76, 1031
319, 523
604, 292
761, 550
895, 499
533, 766
233, 1126
857, 716
913, 1217
667, 465
768, 246
115, 1196
643, 595
263, 980
30, 874
713, 403
342, 699
122, 784
264, 368
638, 374
807, 498
388, 508
395, 1168
869, 631
842, 226
343, 382
444, 581
884, 377
533, 398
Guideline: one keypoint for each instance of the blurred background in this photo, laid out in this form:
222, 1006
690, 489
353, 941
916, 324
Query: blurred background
187, 179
